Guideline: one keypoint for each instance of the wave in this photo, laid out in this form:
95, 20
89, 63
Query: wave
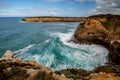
21, 51
22, 21
81, 55
58, 53
47, 41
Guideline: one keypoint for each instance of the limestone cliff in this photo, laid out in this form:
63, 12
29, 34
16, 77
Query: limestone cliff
104, 30
52, 19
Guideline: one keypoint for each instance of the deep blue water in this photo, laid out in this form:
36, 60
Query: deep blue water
47, 43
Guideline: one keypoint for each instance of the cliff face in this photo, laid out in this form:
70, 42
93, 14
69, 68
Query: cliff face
52, 19
104, 31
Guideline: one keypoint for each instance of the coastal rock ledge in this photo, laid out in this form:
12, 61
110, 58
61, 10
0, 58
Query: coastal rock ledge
12, 68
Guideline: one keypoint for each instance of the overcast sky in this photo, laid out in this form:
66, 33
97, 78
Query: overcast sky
75, 8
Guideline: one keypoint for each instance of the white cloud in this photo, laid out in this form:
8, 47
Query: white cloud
106, 6
53, 13
32, 12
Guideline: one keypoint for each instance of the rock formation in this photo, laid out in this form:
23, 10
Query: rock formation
103, 30
52, 19
99, 73
12, 68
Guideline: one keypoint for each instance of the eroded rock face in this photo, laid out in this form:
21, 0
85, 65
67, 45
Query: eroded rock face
111, 72
12, 68
102, 76
104, 31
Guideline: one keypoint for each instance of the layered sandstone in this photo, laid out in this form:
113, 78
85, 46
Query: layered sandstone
103, 30
52, 19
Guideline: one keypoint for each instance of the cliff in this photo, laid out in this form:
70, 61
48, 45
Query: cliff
104, 30
12, 68
52, 19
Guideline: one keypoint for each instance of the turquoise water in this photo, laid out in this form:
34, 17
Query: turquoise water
48, 43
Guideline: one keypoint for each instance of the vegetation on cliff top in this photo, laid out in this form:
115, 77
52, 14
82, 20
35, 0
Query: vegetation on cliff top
107, 16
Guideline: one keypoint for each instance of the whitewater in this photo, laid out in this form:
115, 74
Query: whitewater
49, 44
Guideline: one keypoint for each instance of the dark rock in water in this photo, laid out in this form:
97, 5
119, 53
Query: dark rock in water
104, 31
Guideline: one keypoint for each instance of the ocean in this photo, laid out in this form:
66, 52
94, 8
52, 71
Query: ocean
48, 43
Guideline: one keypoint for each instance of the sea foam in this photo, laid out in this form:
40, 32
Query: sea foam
58, 52
85, 55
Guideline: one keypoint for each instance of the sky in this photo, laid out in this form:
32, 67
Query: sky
72, 8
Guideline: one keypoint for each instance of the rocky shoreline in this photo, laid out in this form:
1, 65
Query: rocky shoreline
100, 29
53, 19
103, 30
12, 68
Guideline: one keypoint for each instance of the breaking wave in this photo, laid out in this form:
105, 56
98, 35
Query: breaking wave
58, 53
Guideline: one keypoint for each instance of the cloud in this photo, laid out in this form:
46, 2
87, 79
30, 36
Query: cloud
106, 6
32, 12
53, 13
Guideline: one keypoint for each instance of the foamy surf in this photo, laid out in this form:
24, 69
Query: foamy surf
95, 54
22, 51
55, 50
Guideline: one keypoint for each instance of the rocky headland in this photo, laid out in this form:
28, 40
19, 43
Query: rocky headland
103, 30
100, 29
53, 19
